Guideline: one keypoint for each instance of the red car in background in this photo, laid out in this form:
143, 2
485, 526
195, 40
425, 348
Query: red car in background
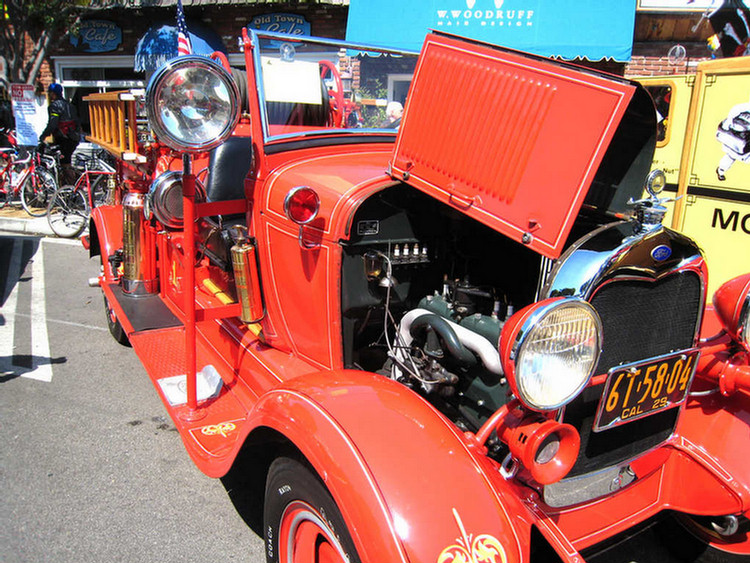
461, 337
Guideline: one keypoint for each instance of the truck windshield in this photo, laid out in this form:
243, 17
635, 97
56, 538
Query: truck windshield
310, 86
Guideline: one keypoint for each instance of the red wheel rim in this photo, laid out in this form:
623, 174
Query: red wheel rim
305, 537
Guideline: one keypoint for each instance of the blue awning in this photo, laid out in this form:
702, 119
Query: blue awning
159, 44
591, 29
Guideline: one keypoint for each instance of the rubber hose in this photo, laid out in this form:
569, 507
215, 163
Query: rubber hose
447, 337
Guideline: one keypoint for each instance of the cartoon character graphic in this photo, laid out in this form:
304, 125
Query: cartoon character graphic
734, 135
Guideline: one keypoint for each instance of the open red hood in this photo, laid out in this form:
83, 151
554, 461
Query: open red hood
514, 141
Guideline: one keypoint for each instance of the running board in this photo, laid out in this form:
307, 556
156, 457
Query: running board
139, 312
213, 433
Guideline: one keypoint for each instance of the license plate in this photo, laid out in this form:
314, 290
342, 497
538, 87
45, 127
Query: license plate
641, 389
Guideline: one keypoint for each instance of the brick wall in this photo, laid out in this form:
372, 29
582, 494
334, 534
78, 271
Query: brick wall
656, 33
650, 59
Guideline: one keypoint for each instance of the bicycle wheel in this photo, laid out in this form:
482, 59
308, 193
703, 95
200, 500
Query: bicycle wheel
99, 189
36, 193
67, 212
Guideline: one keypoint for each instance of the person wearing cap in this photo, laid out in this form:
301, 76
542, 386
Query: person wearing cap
65, 128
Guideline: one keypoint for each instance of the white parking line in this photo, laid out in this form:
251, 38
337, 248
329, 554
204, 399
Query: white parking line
61, 322
42, 370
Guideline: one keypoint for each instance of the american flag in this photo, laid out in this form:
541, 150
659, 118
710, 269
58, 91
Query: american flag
183, 39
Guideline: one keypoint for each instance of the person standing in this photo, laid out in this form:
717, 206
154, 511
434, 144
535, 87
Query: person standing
393, 113
65, 128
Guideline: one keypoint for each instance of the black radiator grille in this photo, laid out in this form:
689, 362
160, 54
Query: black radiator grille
641, 319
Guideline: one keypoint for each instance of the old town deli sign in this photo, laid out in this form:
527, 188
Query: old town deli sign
97, 36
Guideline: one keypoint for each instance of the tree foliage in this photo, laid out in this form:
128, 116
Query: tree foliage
29, 28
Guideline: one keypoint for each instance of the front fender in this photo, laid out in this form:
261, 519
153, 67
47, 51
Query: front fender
105, 230
713, 433
404, 478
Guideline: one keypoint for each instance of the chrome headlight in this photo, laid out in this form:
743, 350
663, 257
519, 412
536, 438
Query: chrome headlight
164, 199
550, 350
193, 104
732, 305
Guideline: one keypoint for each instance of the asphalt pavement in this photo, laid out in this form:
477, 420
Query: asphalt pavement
92, 468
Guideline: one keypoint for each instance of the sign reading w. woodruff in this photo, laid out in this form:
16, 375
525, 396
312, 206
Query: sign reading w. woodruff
564, 28
485, 14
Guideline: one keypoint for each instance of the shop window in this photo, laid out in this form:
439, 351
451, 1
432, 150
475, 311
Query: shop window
82, 74
398, 87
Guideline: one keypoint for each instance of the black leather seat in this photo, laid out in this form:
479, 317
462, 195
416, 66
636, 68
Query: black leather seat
228, 166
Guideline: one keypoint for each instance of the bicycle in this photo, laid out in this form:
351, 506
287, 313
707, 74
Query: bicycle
30, 180
69, 208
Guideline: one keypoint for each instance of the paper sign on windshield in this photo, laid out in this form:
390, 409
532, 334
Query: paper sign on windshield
291, 81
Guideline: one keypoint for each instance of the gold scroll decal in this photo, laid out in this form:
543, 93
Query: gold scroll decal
483, 548
222, 428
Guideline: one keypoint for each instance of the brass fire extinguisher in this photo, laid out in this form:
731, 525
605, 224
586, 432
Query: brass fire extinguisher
139, 272
246, 279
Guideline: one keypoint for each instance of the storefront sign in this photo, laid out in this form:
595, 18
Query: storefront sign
97, 36
292, 24
570, 29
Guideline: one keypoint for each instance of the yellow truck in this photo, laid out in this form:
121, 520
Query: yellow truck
703, 146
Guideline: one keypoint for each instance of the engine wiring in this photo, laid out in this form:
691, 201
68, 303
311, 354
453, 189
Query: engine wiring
398, 344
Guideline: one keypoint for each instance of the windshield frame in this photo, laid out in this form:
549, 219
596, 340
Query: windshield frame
256, 36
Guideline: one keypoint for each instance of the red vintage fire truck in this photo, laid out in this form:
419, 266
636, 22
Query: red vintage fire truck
461, 336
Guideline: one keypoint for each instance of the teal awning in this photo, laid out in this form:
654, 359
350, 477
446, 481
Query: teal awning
591, 29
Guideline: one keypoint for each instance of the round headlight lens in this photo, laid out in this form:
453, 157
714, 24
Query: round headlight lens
193, 104
556, 352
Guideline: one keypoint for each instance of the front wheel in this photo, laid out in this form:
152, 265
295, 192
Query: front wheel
114, 326
67, 212
37, 192
692, 539
301, 520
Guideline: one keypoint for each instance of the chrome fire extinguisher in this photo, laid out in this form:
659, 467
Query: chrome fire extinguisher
139, 271
246, 278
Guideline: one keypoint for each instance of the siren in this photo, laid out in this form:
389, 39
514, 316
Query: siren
548, 449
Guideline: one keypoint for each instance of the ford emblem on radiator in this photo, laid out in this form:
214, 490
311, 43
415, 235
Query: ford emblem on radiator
661, 253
